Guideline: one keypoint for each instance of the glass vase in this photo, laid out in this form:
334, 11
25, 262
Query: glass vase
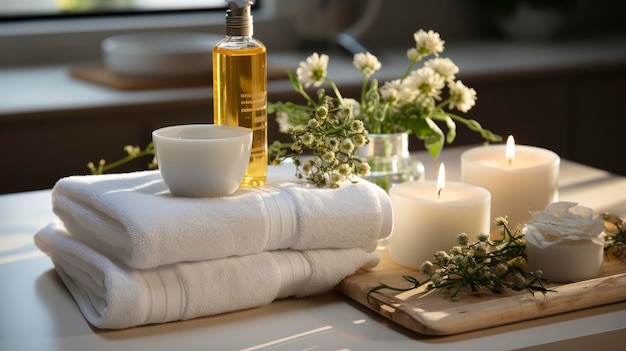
390, 161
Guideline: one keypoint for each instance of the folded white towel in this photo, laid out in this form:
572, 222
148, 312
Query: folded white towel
113, 296
134, 218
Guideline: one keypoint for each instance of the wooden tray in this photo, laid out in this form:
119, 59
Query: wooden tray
433, 313
100, 74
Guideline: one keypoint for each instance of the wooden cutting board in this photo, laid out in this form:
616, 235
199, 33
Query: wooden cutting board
100, 74
433, 313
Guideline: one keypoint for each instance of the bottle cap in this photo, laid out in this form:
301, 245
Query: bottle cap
239, 18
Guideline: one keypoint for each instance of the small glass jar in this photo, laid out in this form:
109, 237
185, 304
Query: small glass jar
390, 161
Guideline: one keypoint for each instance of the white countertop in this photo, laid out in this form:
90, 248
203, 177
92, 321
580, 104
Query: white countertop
38, 313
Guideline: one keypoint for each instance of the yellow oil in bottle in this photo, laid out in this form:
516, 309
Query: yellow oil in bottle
240, 99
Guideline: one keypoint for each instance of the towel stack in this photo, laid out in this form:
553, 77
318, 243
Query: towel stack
131, 254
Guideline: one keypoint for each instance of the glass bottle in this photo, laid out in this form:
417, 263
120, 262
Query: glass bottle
240, 85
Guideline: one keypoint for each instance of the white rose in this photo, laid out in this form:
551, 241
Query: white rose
563, 221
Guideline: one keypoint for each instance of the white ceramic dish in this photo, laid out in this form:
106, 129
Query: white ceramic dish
202, 160
160, 54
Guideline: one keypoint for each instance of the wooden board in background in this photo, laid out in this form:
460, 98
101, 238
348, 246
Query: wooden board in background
433, 313
100, 74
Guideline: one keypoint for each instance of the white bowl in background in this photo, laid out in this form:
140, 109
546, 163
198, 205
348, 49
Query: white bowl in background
160, 54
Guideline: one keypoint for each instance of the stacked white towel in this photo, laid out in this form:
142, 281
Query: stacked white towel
134, 218
131, 254
112, 295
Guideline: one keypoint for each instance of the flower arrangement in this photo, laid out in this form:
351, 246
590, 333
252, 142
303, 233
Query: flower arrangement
333, 127
414, 103
485, 264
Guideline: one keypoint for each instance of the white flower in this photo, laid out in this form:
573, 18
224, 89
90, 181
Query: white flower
352, 104
462, 239
427, 81
359, 140
336, 178
427, 267
308, 139
344, 169
357, 127
347, 146
428, 43
132, 150
313, 70
444, 67
366, 63
461, 97
283, 121
413, 55
391, 90
564, 221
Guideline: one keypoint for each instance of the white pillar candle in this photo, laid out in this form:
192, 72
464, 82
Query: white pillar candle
519, 182
428, 217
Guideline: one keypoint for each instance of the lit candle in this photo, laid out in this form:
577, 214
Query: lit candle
520, 178
429, 215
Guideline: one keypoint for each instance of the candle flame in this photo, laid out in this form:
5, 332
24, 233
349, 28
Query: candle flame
441, 179
510, 149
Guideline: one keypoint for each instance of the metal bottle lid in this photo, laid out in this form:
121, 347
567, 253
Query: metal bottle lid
239, 18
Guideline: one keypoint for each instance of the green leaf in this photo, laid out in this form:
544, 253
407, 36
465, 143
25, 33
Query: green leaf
428, 131
451, 135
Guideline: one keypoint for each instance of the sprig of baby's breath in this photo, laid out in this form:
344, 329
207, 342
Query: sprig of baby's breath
132, 153
485, 264
332, 135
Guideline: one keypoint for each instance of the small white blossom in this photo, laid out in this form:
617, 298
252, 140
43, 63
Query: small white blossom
427, 268
336, 178
501, 221
413, 55
366, 63
442, 257
359, 140
344, 169
313, 123
313, 70
353, 105
462, 239
357, 127
328, 157
444, 67
483, 236
132, 150
428, 43
363, 169
308, 139
331, 143
428, 82
461, 97
282, 118
346, 146
391, 90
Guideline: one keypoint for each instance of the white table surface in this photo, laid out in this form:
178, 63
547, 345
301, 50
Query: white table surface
38, 313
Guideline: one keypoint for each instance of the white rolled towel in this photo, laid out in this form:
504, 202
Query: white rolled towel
134, 218
113, 296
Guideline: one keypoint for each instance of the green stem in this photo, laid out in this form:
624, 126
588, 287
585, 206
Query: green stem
409, 69
336, 90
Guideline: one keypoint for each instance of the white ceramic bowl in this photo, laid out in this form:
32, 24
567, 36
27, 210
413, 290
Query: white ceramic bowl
202, 160
160, 54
